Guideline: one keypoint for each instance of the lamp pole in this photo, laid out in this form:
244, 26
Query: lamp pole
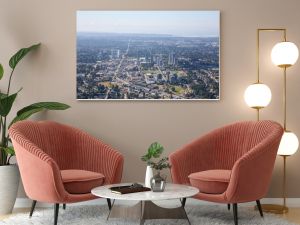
258, 58
284, 182
271, 207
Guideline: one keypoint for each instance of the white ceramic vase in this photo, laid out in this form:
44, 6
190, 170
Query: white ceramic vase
9, 183
148, 176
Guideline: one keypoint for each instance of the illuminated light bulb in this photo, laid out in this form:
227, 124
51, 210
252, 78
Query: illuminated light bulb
258, 95
289, 144
284, 54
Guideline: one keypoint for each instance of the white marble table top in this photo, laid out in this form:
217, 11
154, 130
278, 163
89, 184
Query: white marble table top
172, 191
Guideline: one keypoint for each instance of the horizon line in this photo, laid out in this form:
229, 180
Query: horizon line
170, 35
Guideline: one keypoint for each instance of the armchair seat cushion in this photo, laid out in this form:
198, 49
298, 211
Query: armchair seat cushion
81, 181
211, 181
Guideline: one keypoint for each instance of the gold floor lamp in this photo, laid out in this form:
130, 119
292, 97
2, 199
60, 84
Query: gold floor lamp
258, 95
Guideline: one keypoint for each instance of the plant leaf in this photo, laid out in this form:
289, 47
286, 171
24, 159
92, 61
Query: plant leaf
6, 103
2, 95
44, 105
155, 150
25, 115
16, 58
1, 71
9, 150
27, 111
145, 158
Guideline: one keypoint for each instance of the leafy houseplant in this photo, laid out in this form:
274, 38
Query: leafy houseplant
6, 102
9, 174
157, 183
154, 151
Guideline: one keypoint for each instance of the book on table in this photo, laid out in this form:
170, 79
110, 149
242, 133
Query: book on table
129, 189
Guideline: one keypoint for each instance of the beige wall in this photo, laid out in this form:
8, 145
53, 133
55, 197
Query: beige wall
50, 74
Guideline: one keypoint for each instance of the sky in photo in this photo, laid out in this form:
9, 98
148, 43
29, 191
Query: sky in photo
177, 23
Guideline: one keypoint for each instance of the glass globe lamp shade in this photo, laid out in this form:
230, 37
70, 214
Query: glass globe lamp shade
258, 95
289, 144
284, 54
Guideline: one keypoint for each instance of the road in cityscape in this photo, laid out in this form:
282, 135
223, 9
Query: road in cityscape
137, 66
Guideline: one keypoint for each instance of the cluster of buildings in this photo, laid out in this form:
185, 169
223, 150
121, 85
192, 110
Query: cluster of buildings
146, 69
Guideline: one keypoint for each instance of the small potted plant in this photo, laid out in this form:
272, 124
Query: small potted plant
156, 182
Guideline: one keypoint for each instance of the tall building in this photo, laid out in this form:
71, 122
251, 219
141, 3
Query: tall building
159, 61
115, 53
172, 59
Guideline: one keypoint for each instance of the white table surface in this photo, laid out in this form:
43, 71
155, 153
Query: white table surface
172, 191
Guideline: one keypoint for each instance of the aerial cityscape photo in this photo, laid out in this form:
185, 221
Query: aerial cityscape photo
160, 55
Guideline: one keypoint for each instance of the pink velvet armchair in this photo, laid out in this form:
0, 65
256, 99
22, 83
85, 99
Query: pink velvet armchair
60, 164
231, 165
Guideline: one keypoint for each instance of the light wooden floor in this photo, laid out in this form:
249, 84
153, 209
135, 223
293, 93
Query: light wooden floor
293, 215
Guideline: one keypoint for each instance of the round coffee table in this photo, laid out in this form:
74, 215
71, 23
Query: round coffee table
145, 209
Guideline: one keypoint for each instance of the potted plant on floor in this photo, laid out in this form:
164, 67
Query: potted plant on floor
156, 182
9, 174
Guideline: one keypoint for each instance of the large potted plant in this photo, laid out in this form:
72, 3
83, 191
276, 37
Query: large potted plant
9, 173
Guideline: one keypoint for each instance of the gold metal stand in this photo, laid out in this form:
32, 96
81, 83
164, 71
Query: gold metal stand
272, 208
278, 209
257, 57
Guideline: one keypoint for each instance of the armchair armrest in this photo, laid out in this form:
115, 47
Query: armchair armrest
251, 174
40, 174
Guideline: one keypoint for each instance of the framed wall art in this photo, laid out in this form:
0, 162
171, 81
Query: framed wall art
148, 55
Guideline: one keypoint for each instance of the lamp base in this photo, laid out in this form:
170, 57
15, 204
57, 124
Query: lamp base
276, 209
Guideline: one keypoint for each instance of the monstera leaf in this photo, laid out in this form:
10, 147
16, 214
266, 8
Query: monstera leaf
16, 58
154, 151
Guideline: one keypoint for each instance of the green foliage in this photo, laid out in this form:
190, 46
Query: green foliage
163, 163
154, 151
6, 104
27, 111
16, 58
9, 150
1, 71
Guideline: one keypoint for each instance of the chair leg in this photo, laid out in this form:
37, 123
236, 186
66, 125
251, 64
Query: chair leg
56, 209
32, 208
64, 206
183, 202
259, 208
235, 213
108, 203
228, 206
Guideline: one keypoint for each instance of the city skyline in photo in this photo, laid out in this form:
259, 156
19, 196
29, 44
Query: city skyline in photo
174, 23
148, 55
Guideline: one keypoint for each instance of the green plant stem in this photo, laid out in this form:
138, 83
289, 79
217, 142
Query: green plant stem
8, 159
3, 126
10, 77
1, 156
0, 124
3, 142
2, 152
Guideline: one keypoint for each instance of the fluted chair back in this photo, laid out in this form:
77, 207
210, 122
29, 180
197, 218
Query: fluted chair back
45, 148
